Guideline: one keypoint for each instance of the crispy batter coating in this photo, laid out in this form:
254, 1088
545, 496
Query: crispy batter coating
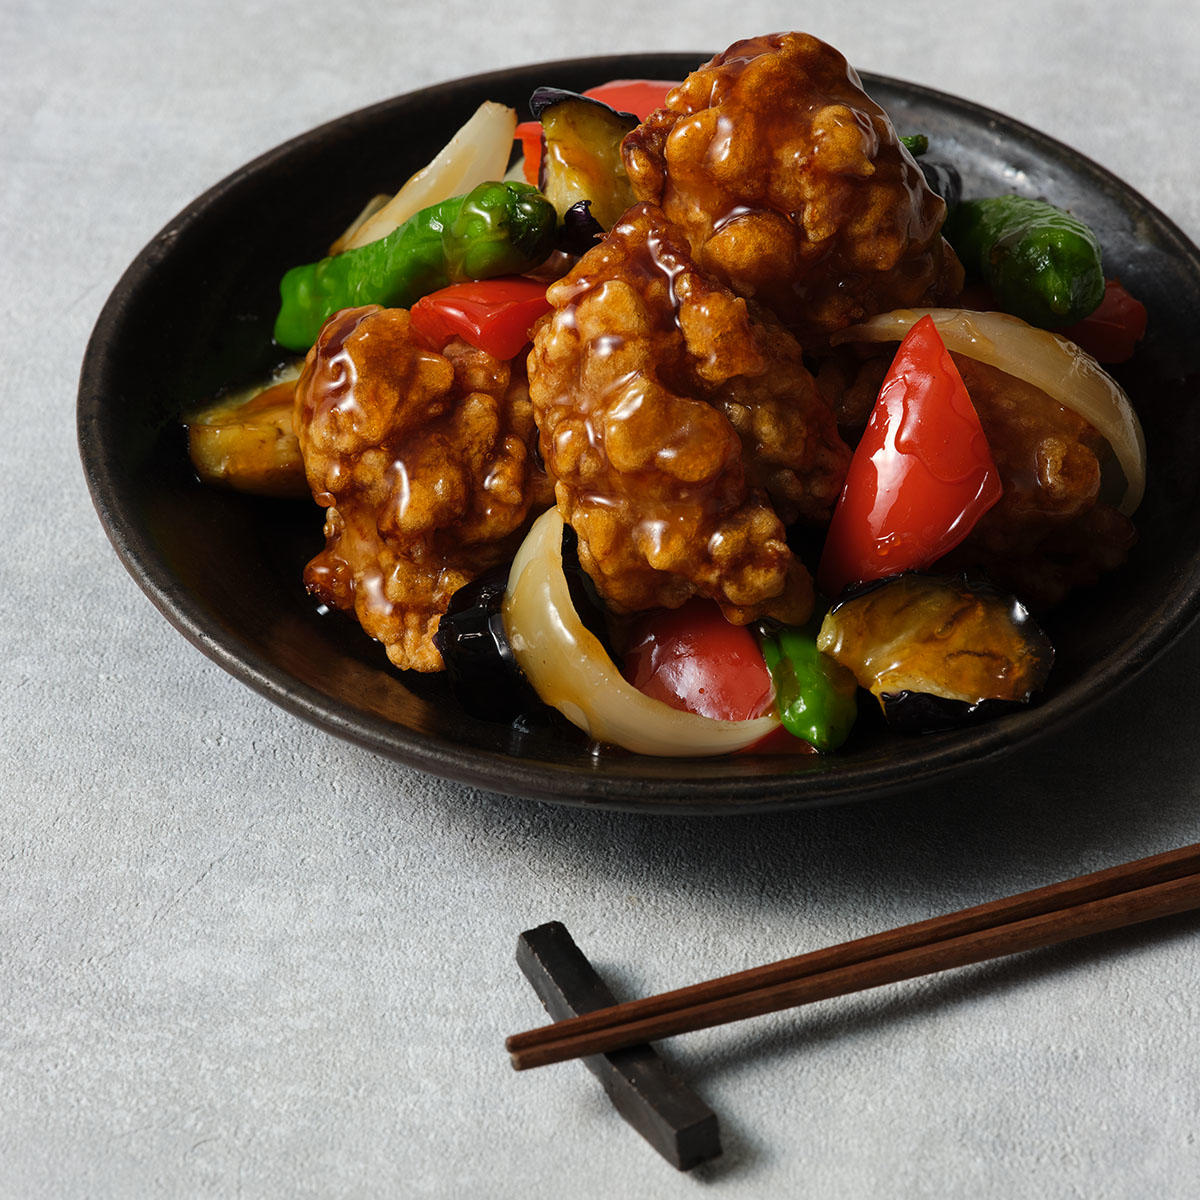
793, 188
425, 464
670, 419
850, 378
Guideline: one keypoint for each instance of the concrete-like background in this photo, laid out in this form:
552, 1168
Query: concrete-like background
239, 957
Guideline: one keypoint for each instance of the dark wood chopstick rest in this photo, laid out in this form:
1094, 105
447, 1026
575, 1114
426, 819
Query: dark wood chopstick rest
667, 1113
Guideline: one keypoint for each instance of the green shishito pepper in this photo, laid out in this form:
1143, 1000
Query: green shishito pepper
816, 697
1041, 263
496, 229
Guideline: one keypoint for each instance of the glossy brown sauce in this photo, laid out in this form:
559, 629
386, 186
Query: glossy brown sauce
667, 416
792, 186
423, 462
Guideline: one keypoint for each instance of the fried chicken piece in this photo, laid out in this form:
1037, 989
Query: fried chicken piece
426, 466
792, 187
1050, 532
671, 417
850, 378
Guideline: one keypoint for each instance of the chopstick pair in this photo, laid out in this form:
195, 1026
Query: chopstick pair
1159, 886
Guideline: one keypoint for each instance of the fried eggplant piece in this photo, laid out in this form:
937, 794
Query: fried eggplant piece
938, 652
426, 466
682, 431
792, 186
245, 441
581, 154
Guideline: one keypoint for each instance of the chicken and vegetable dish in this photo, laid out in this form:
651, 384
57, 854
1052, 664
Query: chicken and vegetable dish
703, 412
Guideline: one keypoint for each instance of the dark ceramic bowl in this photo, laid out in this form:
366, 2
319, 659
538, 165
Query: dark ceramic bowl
193, 315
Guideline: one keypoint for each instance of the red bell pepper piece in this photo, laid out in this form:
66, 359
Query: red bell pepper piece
921, 476
495, 315
638, 96
1111, 332
694, 660
529, 134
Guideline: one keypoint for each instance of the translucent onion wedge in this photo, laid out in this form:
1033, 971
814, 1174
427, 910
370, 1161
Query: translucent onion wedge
570, 670
1049, 362
372, 206
516, 173
479, 151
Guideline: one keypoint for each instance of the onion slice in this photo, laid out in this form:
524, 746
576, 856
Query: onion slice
569, 669
1041, 358
478, 152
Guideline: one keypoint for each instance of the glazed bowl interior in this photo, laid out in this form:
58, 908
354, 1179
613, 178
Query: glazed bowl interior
193, 315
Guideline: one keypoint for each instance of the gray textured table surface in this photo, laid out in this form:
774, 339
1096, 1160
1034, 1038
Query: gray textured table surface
239, 957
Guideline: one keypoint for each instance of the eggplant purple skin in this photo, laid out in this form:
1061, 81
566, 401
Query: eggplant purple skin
922, 712
473, 642
943, 178
910, 712
474, 646
546, 97
941, 175
579, 230
585, 599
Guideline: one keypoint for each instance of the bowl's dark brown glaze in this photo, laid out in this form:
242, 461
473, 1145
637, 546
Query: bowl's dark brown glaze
193, 315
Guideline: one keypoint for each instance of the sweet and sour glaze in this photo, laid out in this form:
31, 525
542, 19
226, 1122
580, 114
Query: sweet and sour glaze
792, 186
679, 428
668, 395
425, 465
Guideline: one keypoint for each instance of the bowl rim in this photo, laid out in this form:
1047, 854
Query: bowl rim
578, 783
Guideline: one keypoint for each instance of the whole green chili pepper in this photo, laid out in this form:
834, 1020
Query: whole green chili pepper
1042, 264
496, 229
816, 697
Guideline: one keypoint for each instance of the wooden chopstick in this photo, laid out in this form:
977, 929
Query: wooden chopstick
1143, 890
